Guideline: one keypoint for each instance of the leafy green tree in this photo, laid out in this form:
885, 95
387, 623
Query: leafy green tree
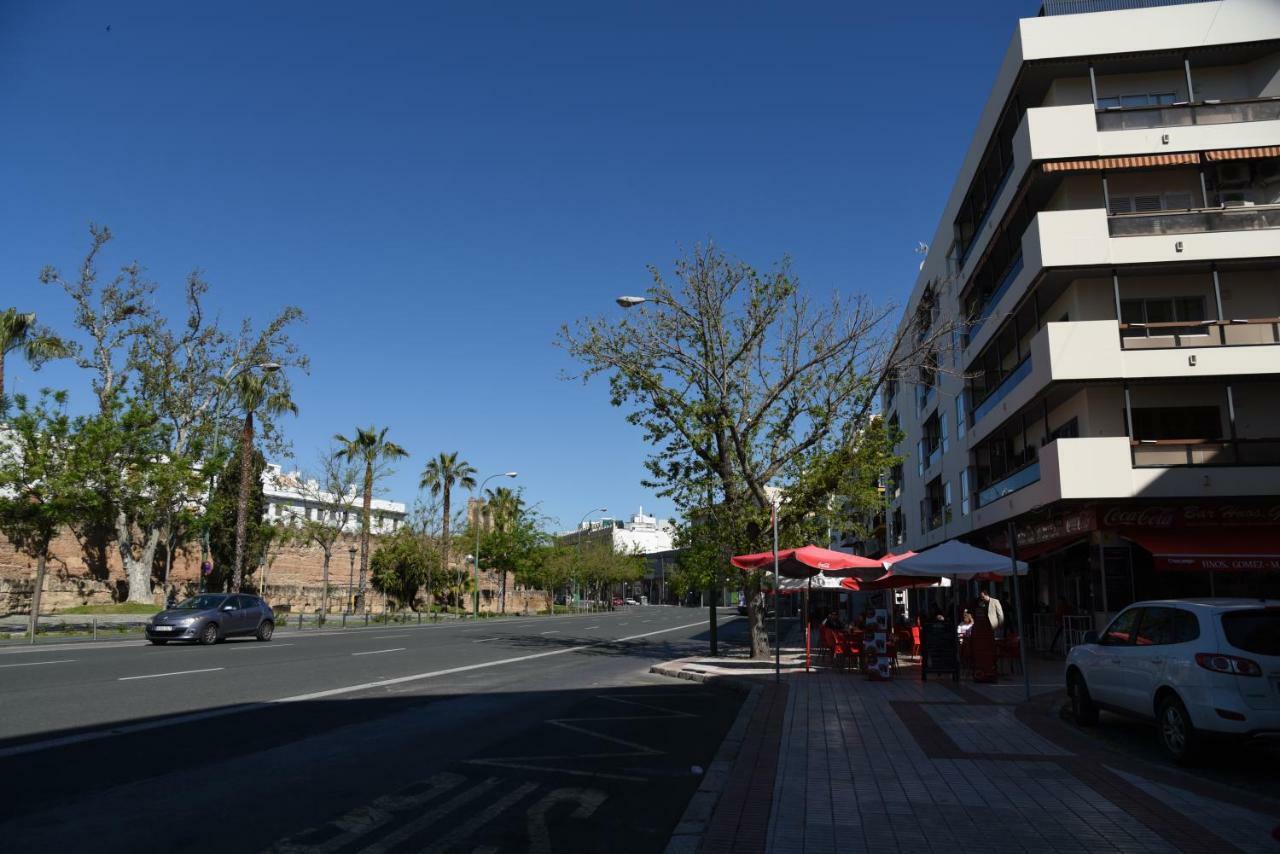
222, 516
440, 476
513, 543
332, 492
737, 379
40, 487
371, 449
20, 333
254, 392
400, 566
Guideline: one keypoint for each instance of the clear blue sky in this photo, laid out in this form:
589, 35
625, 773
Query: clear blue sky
440, 186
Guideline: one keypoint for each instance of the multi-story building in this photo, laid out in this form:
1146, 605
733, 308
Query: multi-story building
291, 499
1111, 248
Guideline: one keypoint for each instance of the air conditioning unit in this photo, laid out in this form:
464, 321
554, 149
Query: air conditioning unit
1236, 198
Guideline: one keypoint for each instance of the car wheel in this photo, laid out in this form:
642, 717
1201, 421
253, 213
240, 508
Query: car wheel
1177, 734
266, 630
158, 641
209, 634
1082, 707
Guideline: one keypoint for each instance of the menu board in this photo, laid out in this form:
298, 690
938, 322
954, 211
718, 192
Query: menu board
938, 650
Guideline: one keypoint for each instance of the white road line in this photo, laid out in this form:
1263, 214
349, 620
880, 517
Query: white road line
485, 640
380, 651
589, 628
646, 621
174, 673
193, 717
552, 632
257, 645
34, 663
401, 635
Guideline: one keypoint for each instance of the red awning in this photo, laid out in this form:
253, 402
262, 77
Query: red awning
889, 581
806, 561
1216, 549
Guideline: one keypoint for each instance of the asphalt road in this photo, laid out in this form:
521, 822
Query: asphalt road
538, 734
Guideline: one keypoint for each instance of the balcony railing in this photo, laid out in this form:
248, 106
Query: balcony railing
1239, 332
1024, 476
992, 301
1077, 7
1008, 384
1164, 453
1195, 221
1183, 115
925, 397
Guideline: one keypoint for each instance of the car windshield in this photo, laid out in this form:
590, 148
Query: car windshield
200, 603
1254, 631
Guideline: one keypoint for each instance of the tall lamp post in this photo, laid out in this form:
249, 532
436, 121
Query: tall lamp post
475, 503
205, 549
351, 578
581, 522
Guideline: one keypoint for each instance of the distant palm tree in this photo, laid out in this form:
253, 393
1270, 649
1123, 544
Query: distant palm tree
505, 508
370, 447
440, 476
20, 333
254, 392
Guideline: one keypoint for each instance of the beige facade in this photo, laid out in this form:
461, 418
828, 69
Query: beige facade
1112, 250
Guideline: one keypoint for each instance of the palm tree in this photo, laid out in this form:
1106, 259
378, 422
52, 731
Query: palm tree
505, 507
263, 393
19, 332
440, 476
370, 447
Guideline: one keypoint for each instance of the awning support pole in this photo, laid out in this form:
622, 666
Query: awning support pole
777, 611
1017, 604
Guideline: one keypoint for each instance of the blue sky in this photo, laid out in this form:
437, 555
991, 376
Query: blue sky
440, 186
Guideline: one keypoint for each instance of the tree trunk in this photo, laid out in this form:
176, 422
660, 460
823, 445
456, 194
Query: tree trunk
364, 532
242, 503
2, 400
759, 633
324, 594
715, 645
35, 595
444, 531
502, 596
138, 569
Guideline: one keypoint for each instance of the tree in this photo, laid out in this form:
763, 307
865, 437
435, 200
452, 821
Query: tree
40, 489
371, 449
332, 492
253, 392
21, 333
513, 543
222, 516
401, 566
736, 379
440, 476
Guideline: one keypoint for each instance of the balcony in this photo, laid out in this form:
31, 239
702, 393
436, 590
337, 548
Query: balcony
1078, 7
1195, 221
1164, 453
1188, 115
1008, 384
1009, 484
1238, 332
925, 398
1000, 290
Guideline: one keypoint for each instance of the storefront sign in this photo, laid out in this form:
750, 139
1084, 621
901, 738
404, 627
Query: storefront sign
1218, 563
1058, 528
1190, 516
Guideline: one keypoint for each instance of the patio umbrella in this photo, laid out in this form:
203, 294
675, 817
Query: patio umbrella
806, 561
958, 560
890, 581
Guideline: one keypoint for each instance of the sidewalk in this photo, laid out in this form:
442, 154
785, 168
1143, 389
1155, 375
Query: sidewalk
909, 766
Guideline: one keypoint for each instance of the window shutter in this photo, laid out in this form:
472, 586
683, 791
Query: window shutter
1147, 203
1121, 205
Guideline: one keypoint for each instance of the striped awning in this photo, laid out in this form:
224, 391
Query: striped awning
1098, 164
1243, 153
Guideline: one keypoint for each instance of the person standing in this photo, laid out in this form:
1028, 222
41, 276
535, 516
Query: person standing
995, 613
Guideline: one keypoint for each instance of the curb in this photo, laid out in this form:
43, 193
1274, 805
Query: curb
676, 670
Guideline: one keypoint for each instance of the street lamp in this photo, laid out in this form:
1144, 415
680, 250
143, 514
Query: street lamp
475, 503
630, 302
351, 577
266, 367
583, 521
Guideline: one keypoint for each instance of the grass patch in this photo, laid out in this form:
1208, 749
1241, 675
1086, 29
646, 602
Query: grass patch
113, 608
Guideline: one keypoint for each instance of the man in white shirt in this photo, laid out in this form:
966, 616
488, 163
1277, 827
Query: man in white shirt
995, 613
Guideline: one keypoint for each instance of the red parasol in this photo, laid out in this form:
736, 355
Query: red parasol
806, 561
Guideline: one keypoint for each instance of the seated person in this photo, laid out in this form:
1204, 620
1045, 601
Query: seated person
966, 624
833, 621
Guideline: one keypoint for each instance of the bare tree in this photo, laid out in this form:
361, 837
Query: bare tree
331, 496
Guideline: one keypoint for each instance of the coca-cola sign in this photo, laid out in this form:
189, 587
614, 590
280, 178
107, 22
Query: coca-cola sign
1191, 515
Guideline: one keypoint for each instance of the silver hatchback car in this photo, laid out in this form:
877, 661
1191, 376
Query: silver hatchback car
210, 617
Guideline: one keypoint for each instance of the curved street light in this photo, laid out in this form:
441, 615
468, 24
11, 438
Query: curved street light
580, 523
476, 504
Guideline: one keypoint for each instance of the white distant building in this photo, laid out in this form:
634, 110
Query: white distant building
642, 534
290, 500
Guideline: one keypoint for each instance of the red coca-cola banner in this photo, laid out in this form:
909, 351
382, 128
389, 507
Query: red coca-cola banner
1190, 515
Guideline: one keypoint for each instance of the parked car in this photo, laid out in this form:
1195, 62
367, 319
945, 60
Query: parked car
618, 602
632, 601
210, 617
1199, 668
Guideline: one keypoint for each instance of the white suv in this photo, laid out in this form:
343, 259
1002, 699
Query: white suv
1200, 666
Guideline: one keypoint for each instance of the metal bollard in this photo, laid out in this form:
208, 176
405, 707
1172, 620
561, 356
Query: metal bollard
94, 623
344, 619
299, 621
366, 619
419, 618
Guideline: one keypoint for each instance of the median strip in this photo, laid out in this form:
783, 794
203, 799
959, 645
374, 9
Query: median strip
174, 673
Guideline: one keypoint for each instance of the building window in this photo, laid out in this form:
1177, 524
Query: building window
961, 414
946, 434
1177, 422
1142, 99
1070, 430
946, 500
920, 457
1137, 313
964, 492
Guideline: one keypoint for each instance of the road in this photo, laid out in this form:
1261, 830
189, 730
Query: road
535, 734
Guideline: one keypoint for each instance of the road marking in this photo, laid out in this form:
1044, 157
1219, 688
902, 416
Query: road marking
257, 645
193, 717
174, 673
380, 651
646, 621
485, 640
479, 820
400, 635
552, 632
34, 663
411, 828
589, 628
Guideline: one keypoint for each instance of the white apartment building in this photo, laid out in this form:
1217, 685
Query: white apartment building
1111, 248
291, 499
641, 534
